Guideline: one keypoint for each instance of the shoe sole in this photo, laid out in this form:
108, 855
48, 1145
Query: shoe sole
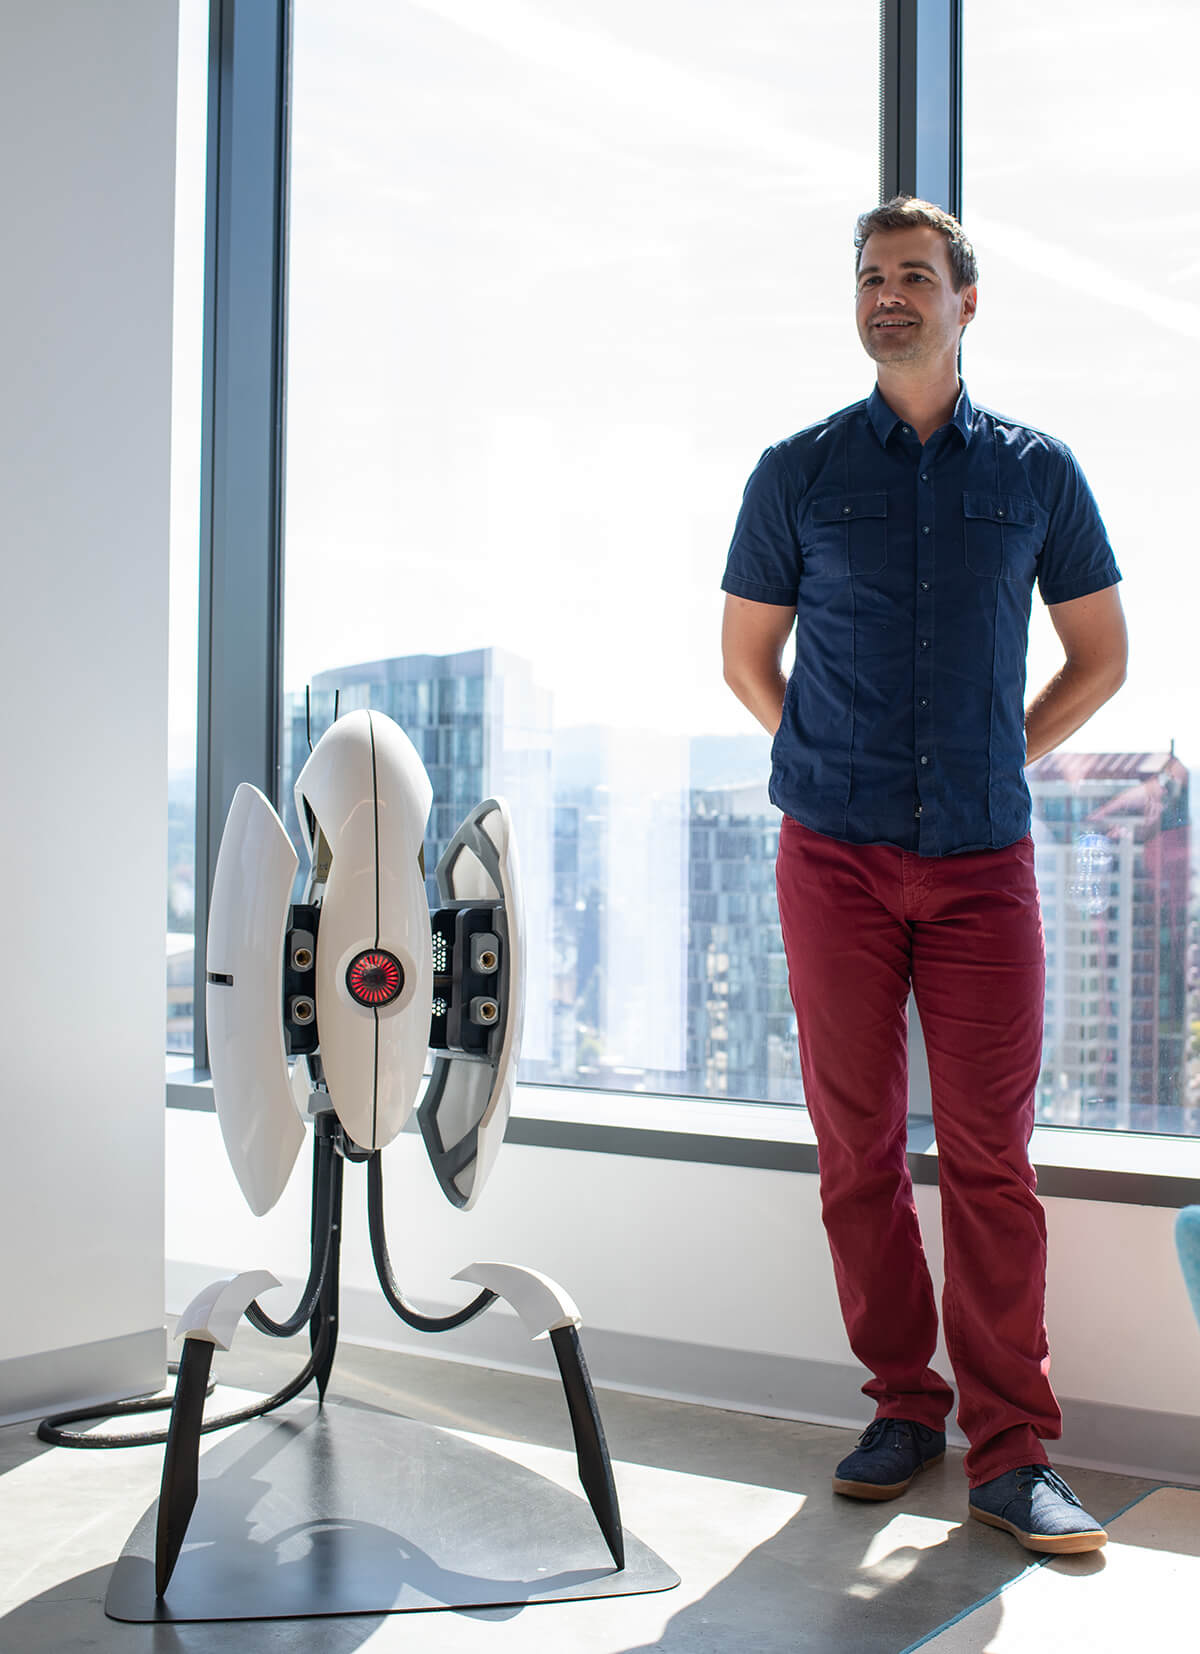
882, 1490
1057, 1544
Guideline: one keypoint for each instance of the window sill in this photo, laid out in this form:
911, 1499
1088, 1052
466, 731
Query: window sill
1072, 1163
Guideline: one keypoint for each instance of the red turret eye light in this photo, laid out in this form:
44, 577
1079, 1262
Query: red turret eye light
374, 978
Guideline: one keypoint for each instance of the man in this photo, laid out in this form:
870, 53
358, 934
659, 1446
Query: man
902, 538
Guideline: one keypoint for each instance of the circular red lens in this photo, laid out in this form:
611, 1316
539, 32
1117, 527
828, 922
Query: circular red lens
374, 978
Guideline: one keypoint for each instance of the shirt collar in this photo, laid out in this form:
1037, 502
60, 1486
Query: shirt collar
884, 421
964, 414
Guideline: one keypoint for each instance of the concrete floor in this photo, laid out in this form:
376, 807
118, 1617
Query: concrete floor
740, 1506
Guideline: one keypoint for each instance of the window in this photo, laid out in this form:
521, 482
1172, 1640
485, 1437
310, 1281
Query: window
557, 277
1088, 328
531, 360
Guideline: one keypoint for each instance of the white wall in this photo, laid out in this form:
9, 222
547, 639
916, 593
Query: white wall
87, 129
708, 1282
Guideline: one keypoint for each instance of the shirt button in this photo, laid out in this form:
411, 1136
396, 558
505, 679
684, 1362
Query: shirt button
1000, 513
924, 643
924, 760
917, 811
907, 429
924, 585
924, 476
846, 510
925, 530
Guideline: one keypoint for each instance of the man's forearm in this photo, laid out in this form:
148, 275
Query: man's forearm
761, 695
1065, 705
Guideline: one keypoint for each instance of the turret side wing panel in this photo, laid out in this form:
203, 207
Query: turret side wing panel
466, 1105
247, 924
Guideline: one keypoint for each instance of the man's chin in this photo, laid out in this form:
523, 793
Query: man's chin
891, 349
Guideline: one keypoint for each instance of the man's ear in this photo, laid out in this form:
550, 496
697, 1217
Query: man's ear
966, 312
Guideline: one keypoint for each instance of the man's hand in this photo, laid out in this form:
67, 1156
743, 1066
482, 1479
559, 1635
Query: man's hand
753, 638
1092, 632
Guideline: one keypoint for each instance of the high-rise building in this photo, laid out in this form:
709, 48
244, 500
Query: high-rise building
1111, 833
481, 726
741, 1028
669, 960
575, 973
621, 907
181, 950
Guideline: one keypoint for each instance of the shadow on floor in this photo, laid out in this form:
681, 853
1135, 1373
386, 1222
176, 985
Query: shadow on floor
71, 1616
839, 1576
803, 1592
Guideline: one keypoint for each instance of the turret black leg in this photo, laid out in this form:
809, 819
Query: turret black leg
324, 1325
591, 1449
177, 1496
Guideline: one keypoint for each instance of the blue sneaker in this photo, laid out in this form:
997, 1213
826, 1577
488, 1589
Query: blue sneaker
889, 1454
1037, 1507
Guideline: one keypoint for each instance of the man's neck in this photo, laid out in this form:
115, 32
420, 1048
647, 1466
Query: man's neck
924, 404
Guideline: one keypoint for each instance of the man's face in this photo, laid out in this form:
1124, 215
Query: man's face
906, 308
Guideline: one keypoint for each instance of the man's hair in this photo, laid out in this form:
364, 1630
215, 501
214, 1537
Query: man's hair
906, 212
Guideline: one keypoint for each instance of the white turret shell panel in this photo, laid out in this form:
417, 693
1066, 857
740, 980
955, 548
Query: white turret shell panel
371, 796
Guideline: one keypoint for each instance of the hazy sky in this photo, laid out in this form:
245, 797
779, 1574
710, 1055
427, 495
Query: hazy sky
560, 271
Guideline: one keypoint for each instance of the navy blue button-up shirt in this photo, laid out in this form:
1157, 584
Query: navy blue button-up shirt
911, 570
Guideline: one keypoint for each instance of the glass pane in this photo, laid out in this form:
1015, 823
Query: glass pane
190, 155
557, 277
1080, 189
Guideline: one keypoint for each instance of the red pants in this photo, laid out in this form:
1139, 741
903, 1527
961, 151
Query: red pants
860, 923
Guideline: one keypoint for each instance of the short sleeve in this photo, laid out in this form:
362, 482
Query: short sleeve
764, 556
1076, 558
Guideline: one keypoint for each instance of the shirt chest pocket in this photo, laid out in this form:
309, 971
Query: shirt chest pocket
845, 534
1002, 536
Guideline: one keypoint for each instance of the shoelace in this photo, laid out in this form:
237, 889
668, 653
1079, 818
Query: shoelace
875, 1431
1028, 1475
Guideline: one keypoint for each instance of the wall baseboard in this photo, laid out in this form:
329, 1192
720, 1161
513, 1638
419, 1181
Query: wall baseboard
1131, 1441
56, 1381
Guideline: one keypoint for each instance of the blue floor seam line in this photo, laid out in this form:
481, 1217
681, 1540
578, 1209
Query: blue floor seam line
965, 1613
1016, 1580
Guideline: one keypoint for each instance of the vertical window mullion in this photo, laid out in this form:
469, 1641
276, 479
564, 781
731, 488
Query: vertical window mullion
920, 120
241, 526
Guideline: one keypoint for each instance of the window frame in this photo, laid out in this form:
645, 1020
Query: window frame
242, 567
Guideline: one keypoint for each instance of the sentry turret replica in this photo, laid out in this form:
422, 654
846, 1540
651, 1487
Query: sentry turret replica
322, 1016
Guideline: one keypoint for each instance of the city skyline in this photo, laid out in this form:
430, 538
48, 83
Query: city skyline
656, 961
